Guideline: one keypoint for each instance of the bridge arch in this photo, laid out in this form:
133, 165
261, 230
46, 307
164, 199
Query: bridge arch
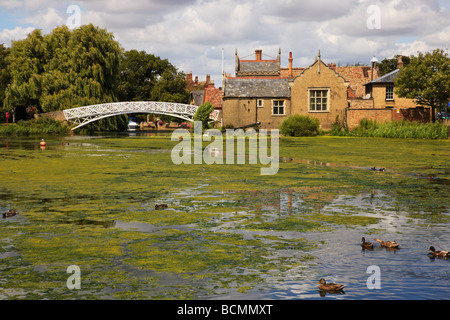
81, 116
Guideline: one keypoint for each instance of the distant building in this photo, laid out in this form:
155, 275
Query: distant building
263, 91
203, 91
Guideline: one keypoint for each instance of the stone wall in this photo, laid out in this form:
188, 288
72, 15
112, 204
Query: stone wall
379, 115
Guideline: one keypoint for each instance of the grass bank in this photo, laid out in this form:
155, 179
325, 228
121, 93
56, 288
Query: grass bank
42, 126
396, 129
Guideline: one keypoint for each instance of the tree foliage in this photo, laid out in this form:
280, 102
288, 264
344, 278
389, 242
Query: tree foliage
72, 68
63, 69
4, 76
426, 79
203, 113
144, 76
389, 65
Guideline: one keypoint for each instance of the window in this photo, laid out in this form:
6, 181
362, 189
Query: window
318, 100
259, 103
390, 93
278, 107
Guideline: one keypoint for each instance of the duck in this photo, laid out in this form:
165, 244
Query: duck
366, 245
10, 213
161, 206
433, 253
388, 244
323, 285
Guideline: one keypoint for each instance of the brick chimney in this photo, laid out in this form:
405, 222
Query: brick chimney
290, 64
258, 55
400, 62
189, 78
208, 79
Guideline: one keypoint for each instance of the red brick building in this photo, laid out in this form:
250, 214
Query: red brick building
203, 91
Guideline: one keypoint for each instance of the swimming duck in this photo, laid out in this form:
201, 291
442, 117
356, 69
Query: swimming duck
323, 285
388, 244
433, 253
161, 206
366, 245
10, 213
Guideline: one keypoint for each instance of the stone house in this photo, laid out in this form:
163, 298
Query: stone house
262, 91
382, 104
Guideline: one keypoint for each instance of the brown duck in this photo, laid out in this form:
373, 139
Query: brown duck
442, 254
323, 285
366, 245
388, 244
10, 213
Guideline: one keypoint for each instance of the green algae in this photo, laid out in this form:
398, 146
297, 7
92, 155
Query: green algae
225, 226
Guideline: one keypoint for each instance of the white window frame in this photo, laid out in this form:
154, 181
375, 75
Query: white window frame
260, 103
278, 106
389, 93
327, 97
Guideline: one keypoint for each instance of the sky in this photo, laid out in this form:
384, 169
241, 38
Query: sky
201, 36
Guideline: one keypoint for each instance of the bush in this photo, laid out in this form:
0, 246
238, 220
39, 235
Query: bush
202, 114
400, 129
300, 126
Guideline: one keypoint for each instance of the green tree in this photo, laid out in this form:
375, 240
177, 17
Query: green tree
139, 72
171, 87
25, 66
4, 77
63, 69
426, 79
389, 65
203, 113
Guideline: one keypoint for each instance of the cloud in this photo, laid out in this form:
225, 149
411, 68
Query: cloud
18, 33
192, 33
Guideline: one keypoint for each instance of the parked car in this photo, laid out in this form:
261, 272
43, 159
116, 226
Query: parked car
443, 116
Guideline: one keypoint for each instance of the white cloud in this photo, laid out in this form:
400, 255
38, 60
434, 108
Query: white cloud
18, 33
192, 33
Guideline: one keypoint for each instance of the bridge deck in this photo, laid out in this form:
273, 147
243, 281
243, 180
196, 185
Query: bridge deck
84, 115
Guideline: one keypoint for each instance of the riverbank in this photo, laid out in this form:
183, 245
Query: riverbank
41, 126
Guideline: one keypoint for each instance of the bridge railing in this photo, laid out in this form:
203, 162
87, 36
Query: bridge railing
87, 114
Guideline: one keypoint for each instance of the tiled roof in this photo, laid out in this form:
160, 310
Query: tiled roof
387, 78
266, 67
256, 88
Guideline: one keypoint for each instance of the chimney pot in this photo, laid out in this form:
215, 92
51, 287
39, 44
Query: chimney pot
400, 62
258, 54
290, 64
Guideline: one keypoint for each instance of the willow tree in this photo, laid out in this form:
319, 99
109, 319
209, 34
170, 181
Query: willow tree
63, 69
4, 77
26, 62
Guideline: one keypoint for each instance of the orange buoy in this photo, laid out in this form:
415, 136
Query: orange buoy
43, 143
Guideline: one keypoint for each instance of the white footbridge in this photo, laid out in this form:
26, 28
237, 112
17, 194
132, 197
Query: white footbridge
81, 116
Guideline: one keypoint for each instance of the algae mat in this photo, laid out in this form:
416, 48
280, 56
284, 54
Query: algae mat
227, 231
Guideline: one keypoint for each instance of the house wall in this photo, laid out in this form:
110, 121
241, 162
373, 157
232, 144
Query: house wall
316, 77
244, 111
379, 96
